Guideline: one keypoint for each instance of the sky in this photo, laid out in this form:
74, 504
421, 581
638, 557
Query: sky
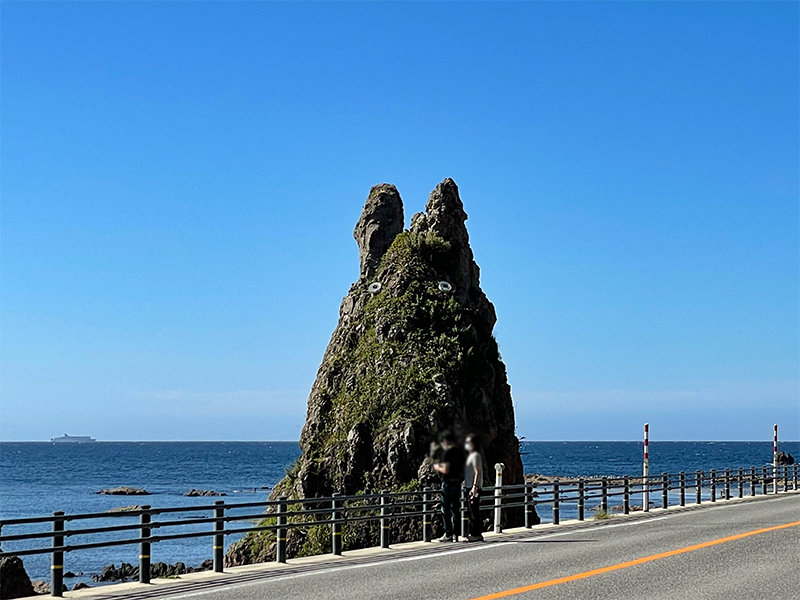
179, 183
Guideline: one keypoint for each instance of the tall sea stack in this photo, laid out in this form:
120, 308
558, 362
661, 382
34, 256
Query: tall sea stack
413, 354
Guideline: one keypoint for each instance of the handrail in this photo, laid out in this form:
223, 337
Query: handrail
384, 507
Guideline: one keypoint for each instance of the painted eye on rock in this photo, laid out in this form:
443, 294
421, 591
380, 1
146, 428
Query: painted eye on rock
374, 287
445, 287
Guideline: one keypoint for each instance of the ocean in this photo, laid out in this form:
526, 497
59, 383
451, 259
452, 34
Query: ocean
39, 478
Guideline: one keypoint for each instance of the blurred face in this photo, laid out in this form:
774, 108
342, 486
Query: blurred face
470, 445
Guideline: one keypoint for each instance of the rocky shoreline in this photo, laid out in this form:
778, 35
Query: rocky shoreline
129, 572
15, 583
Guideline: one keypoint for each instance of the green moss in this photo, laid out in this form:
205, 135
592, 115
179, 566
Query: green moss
317, 541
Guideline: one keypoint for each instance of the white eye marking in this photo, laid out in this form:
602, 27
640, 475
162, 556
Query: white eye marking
445, 287
374, 287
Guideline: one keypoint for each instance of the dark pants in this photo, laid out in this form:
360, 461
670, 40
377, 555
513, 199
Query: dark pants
451, 507
475, 522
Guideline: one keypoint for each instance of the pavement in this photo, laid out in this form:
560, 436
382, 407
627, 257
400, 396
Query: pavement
747, 548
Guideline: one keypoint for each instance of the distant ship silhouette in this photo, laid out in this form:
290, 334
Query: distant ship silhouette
74, 439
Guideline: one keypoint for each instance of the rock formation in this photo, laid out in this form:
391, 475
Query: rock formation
14, 581
124, 490
127, 571
413, 354
194, 493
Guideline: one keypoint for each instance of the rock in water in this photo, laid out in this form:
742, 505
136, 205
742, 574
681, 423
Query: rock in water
194, 493
413, 353
124, 490
14, 581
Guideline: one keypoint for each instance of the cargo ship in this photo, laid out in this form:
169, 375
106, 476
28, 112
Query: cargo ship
73, 439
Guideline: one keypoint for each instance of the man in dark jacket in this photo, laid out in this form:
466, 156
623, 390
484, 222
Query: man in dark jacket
451, 470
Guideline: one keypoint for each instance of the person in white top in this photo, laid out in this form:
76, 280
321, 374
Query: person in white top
473, 480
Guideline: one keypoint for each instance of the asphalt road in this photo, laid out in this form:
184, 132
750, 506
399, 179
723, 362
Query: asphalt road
761, 565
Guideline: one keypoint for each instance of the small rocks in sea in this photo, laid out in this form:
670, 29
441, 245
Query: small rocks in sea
618, 508
193, 492
42, 587
124, 509
69, 574
206, 565
124, 490
80, 586
111, 573
127, 571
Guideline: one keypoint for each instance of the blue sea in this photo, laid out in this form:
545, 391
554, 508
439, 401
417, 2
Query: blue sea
39, 478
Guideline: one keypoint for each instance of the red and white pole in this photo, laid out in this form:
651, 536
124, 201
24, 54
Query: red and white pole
646, 470
775, 458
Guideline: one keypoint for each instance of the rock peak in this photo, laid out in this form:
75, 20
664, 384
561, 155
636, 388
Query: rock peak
445, 217
381, 220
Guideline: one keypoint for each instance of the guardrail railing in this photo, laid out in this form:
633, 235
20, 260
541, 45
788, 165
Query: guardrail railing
384, 508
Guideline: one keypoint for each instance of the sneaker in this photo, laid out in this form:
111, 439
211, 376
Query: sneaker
445, 538
475, 538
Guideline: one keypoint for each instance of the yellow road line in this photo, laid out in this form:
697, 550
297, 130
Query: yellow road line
631, 563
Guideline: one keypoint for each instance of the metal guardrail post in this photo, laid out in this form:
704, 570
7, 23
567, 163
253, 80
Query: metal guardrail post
682, 480
556, 503
57, 564
528, 505
464, 514
384, 519
336, 526
740, 483
764, 490
698, 489
626, 495
786, 478
498, 499
664, 490
752, 481
144, 547
219, 538
713, 485
727, 484
581, 499
426, 515
794, 477
604, 495
280, 533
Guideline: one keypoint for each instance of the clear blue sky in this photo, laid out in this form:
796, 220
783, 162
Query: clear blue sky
180, 182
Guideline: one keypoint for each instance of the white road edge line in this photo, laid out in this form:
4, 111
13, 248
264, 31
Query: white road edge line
459, 551
596, 528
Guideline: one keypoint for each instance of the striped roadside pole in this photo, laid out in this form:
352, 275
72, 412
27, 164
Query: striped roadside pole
646, 470
775, 459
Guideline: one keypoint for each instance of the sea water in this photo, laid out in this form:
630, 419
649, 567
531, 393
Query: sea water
39, 478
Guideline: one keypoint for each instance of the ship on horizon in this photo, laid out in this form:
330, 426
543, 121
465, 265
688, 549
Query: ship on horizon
74, 439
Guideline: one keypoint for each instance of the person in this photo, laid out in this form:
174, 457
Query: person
473, 480
451, 470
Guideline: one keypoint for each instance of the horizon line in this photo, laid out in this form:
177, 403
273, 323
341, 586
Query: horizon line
522, 441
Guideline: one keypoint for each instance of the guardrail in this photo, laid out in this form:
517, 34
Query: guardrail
384, 508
